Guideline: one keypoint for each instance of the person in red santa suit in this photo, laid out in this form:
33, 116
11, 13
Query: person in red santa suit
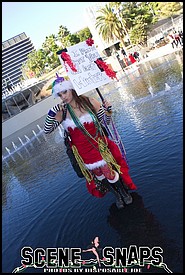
132, 59
98, 156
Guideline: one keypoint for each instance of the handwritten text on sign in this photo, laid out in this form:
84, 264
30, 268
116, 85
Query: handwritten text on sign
88, 75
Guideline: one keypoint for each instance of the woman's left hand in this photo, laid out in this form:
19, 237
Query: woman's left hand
107, 105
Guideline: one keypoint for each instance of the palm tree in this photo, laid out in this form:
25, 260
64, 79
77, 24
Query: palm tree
109, 25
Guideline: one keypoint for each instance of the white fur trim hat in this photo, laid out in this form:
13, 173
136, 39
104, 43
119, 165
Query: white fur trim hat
61, 85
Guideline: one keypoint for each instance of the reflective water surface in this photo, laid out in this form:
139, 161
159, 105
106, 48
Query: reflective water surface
44, 203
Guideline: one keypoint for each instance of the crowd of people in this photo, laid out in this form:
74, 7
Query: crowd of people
176, 38
127, 58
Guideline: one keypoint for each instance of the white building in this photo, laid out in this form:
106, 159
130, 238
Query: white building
14, 53
90, 14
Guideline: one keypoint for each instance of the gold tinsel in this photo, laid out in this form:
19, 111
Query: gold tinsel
84, 170
107, 156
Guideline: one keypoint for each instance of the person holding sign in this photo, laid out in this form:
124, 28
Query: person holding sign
98, 156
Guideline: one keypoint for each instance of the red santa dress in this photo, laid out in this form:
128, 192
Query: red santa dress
88, 147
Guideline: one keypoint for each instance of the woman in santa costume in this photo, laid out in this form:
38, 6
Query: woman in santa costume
98, 156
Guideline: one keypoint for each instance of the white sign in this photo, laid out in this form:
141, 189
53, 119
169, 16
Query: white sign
88, 75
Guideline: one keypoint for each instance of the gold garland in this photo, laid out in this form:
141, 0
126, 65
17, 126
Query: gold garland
80, 161
102, 146
107, 155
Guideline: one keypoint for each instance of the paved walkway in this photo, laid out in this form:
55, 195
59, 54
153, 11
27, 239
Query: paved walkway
156, 53
164, 50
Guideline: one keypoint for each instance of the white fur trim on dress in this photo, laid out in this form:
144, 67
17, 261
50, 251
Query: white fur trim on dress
61, 87
116, 178
96, 164
100, 177
69, 123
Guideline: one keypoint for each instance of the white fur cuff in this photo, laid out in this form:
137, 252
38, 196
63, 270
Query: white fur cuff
100, 177
116, 178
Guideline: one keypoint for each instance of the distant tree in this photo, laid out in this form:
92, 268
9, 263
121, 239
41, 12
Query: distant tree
50, 49
168, 9
73, 39
62, 33
35, 62
136, 17
151, 8
138, 33
49, 41
70, 40
126, 19
84, 34
47, 58
142, 17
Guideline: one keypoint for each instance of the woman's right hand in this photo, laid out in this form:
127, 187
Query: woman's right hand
59, 115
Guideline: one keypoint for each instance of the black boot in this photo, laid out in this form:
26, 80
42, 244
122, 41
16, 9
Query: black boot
113, 189
101, 186
124, 193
